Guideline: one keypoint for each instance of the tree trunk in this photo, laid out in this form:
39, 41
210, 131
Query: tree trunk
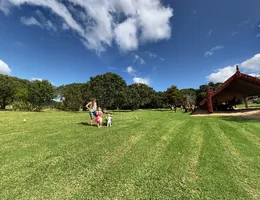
246, 104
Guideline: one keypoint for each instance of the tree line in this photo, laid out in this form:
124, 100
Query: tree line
110, 90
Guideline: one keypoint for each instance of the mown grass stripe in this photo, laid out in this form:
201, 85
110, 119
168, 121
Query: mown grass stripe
215, 172
246, 160
242, 134
239, 165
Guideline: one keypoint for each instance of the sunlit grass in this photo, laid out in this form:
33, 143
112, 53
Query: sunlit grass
144, 155
251, 105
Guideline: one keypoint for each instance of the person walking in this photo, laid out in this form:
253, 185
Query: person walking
92, 107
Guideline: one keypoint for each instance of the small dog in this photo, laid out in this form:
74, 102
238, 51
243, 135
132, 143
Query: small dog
109, 119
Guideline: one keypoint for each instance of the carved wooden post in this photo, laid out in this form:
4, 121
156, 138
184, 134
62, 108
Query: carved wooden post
209, 100
246, 104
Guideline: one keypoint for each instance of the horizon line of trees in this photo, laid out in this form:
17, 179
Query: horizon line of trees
110, 90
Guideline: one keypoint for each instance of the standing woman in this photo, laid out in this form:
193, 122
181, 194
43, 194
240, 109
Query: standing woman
92, 107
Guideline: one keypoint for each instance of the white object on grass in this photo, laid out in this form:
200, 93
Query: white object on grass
24, 120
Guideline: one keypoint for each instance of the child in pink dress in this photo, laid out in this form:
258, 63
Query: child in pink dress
98, 119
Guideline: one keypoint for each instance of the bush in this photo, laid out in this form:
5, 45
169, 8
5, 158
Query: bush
257, 101
21, 105
58, 106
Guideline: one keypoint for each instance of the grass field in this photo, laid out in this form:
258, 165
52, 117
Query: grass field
144, 155
252, 105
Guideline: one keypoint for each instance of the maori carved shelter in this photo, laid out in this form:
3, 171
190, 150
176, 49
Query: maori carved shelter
236, 87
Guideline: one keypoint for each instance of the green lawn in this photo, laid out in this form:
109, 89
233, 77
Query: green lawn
144, 155
251, 105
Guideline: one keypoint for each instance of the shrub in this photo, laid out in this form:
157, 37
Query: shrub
257, 101
22, 105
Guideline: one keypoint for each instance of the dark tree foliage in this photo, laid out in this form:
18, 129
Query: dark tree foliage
201, 93
40, 93
8, 88
109, 89
173, 96
86, 95
72, 96
214, 86
139, 95
157, 100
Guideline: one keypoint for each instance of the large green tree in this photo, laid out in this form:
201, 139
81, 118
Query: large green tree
157, 100
173, 96
8, 88
214, 86
22, 90
72, 95
40, 93
109, 89
139, 95
201, 93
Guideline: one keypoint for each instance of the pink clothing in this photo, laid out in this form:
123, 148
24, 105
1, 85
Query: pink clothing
99, 116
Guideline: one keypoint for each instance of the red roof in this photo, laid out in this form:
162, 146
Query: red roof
236, 83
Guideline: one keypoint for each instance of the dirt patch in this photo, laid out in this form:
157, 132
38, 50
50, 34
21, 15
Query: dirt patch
247, 113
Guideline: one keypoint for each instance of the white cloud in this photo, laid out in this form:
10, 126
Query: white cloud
43, 23
99, 22
258, 35
138, 59
130, 70
30, 21
141, 80
212, 51
254, 75
65, 26
154, 69
20, 44
153, 55
250, 66
208, 53
234, 33
154, 20
111, 68
4, 6
244, 23
47, 24
126, 35
36, 79
4, 69
222, 74
209, 33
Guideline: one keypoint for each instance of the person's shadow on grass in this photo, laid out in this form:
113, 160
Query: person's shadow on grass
85, 124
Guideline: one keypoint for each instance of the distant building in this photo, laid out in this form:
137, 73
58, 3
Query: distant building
236, 87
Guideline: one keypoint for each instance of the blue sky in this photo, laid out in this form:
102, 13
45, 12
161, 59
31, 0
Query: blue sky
185, 43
